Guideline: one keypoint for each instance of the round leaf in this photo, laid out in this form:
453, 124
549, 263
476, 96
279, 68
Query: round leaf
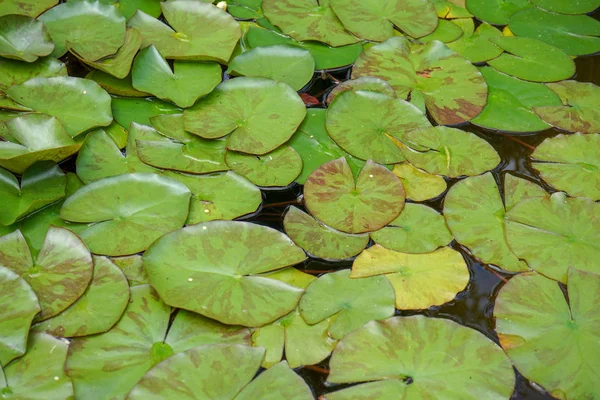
419, 185
24, 38
366, 83
496, 12
445, 32
475, 44
278, 168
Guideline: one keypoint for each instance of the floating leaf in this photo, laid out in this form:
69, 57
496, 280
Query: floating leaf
496, 12
558, 6
419, 280
554, 233
245, 9
451, 8
278, 168
419, 185
539, 331
259, 114
366, 204
366, 83
119, 87
24, 38
14, 72
129, 7
445, 32
128, 110
133, 268
31, 8
475, 44
409, 356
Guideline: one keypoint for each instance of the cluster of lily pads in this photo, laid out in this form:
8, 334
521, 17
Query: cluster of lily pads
130, 277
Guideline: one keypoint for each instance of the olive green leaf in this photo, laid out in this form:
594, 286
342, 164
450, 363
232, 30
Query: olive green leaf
375, 19
365, 123
197, 31
496, 12
41, 184
419, 280
127, 212
107, 366
445, 32
366, 204
447, 151
212, 270
532, 60
419, 185
245, 9
308, 20
366, 83
133, 268
129, 7
571, 163
24, 38
79, 104
30, 8
558, 6
258, 113
93, 29
351, 302
580, 109
225, 371
418, 229
511, 102
92, 313
554, 233
451, 9
277, 168
35, 138
517, 189
14, 72
420, 357
320, 240
128, 110
284, 63
59, 275
574, 34
19, 306
540, 328
39, 373
475, 44
452, 89
119, 87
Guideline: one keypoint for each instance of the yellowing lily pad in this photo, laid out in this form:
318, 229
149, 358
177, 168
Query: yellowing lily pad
277, 168
418, 184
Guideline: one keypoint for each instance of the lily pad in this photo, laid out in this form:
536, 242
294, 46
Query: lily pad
410, 356
119, 87
375, 20
580, 107
366, 204
571, 163
128, 110
419, 185
127, 212
31, 8
93, 29
547, 329
433, 75
277, 168
554, 233
320, 240
496, 12
351, 302
133, 268
19, 306
79, 104
129, 7
24, 38
451, 9
557, 6
226, 255
59, 275
245, 9
258, 113
14, 72
418, 229
475, 44
366, 83
445, 32
92, 313
419, 280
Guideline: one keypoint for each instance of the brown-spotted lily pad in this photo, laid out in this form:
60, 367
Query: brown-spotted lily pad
133, 268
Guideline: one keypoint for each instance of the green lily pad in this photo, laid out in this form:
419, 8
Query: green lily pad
517, 189
24, 38
580, 107
496, 12
197, 31
284, 63
411, 357
127, 212
351, 302
571, 163
225, 371
19, 306
129, 7
375, 20
419, 185
558, 6
59, 275
79, 104
128, 110
245, 9
93, 29
42, 184
91, 313
133, 268
277, 168
39, 373
31, 8
475, 44
511, 102
107, 366
119, 87
554, 233
226, 255
365, 124
542, 331
258, 113
445, 32
366, 83
320, 240
434, 76
419, 280
366, 204
418, 229
451, 9
308, 20
14, 72
532, 60
574, 34
447, 151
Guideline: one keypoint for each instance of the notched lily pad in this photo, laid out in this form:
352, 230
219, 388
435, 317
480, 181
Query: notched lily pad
476, 45
418, 184
277, 168
24, 38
